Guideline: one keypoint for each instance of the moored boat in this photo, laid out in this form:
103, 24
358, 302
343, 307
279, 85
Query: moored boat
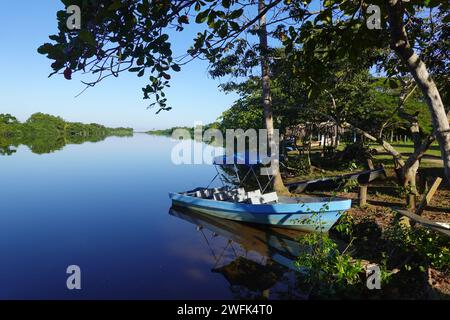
301, 213
235, 203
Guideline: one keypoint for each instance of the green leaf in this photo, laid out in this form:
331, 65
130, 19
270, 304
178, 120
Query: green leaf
183, 19
446, 19
115, 5
54, 37
163, 38
45, 48
176, 68
393, 84
202, 16
236, 13
87, 37
223, 31
234, 25
324, 16
165, 75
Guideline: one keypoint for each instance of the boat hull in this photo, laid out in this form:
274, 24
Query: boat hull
306, 216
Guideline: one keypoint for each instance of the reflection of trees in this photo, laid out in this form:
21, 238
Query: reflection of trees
44, 144
76, 139
249, 279
7, 145
261, 277
6, 150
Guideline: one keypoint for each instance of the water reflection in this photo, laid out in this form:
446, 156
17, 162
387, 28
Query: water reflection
257, 261
104, 207
46, 143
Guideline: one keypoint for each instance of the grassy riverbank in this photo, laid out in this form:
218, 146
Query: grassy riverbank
414, 260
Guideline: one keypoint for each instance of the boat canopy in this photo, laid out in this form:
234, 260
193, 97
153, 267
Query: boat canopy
247, 158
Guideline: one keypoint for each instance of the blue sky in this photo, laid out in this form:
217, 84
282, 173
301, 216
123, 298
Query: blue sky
26, 88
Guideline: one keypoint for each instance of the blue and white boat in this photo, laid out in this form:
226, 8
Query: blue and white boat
235, 203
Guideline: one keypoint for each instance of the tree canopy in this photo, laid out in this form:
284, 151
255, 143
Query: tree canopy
134, 35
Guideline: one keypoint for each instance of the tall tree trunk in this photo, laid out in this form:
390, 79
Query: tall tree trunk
278, 184
418, 69
410, 172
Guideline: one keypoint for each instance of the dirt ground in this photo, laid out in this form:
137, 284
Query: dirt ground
380, 203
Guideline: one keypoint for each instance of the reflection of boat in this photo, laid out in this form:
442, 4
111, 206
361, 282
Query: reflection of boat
302, 213
257, 261
276, 244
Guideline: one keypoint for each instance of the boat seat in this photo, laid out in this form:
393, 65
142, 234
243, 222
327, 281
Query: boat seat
239, 198
206, 193
254, 197
236, 195
258, 198
221, 196
269, 197
239, 195
255, 193
254, 200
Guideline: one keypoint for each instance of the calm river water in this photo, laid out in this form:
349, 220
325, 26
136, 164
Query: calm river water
105, 208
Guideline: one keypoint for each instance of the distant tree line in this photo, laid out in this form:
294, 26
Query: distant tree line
44, 133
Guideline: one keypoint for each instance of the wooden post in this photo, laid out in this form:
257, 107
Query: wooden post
370, 164
427, 198
362, 195
411, 205
411, 202
440, 227
423, 182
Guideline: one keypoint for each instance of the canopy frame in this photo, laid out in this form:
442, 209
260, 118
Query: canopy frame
240, 181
